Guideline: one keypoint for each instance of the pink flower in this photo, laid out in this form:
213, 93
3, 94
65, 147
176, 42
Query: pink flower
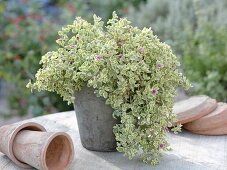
72, 10
159, 65
154, 91
161, 145
23, 1
166, 129
16, 19
22, 101
4, 36
17, 57
99, 57
120, 56
14, 36
125, 10
141, 50
72, 46
41, 38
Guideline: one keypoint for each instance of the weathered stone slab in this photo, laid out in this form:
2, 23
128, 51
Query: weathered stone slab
190, 151
193, 108
215, 119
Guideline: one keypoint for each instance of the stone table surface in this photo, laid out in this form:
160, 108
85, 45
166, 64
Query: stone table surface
190, 151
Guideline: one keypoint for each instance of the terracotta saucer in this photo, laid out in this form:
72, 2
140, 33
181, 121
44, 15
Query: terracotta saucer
222, 130
193, 108
215, 119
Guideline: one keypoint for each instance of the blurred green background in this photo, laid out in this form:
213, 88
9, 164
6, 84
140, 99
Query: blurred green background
195, 29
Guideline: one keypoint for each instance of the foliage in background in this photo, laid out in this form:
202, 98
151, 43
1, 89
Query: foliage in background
197, 31
28, 30
204, 54
175, 22
131, 68
166, 18
105, 8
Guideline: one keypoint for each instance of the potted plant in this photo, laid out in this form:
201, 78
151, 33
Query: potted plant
130, 68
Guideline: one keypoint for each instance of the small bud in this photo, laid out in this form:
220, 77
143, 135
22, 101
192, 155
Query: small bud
99, 57
154, 91
161, 145
159, 65
72, 46
141, 50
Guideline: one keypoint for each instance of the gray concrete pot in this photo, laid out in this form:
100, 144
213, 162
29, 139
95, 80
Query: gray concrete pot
95, 121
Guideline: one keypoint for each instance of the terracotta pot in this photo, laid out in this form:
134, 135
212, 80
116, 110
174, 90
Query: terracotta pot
29, 145
44, 150
7, 138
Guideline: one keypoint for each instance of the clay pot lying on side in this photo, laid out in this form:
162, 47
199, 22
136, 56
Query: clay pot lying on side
29, 145
7, 137
44, 150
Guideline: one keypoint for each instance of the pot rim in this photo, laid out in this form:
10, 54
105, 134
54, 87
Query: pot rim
29, 126
47, 143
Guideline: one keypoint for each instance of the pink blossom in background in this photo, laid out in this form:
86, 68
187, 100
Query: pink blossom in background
41, 38
70, 7
125, 10
14, 36
23, 1
4, 36
22, 101
17, 57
